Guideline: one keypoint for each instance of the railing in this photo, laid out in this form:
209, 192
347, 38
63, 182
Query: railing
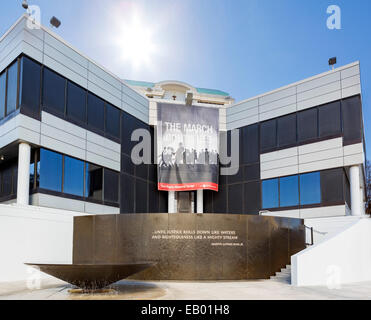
311, 235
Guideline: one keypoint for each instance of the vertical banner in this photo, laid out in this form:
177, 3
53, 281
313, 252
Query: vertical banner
187, 147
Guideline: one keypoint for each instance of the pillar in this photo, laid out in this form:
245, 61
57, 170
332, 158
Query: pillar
200, 201
171, 202
355, 190
23, 180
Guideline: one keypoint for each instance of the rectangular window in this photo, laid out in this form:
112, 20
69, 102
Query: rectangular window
329, 120
307, 125
73, 182
286, 130
112, 121
95, 113
50, 170
127, 192
235, 199
94, 182
111, 186
252, 197
7, 181
332, 186
250, 144
11, 102
2, 94
270, 194
76, 103
352, 119
140, 196
289, 191
29, 88
268, 135
310, 188
54, 93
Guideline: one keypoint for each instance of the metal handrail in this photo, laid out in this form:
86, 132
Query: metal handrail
311, 235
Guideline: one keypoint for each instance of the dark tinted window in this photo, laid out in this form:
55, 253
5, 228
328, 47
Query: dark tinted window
307, 125
50, 171
2, 94
329, 120
112, 121
252, 172
128, 124
289, 191
220, 200
270, 194
235, 199
73, 176
332, 185
140, 196
54, 91
95, 112
29, 91
352, 119
268, 135
127, 190
252, 197
310, 188
94, 181
153, 198
11, 103
7, 181
250, 144
76, 103
111, 186
286, 130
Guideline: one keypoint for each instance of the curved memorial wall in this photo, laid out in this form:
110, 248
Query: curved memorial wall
190, 246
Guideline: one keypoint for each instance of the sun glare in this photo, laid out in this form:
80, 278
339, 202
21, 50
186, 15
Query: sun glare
136, 43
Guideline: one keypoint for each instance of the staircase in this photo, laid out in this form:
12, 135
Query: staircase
283, 276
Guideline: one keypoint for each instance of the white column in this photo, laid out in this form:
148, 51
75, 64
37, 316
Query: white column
200, 201
171, 202
355, 191
23, 180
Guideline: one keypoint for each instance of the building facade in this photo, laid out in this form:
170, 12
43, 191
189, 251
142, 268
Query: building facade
66, 125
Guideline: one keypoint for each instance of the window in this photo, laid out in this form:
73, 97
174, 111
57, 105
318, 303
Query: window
111, 186
11, 102
289, 191
127, 194
286, 130
7, 181
94, 182
76, 103
112, 121
235, 199
268, 135
307, 125
95, 113
270, 194
140, 196
332, 186
50, 170
29, 90
252, 197
2, 94
352, 119
310, 188
73, 182
54, 92
250, 144
329, 120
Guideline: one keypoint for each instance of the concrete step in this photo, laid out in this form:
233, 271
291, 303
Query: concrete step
283, 276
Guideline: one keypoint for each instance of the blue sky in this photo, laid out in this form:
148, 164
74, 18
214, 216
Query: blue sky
244, 47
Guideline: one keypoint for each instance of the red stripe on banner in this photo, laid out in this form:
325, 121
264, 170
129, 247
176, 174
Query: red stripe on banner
188, 186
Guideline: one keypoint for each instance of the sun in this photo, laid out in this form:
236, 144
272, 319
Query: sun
136, 43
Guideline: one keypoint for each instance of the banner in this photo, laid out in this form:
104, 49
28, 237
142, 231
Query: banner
187, 147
